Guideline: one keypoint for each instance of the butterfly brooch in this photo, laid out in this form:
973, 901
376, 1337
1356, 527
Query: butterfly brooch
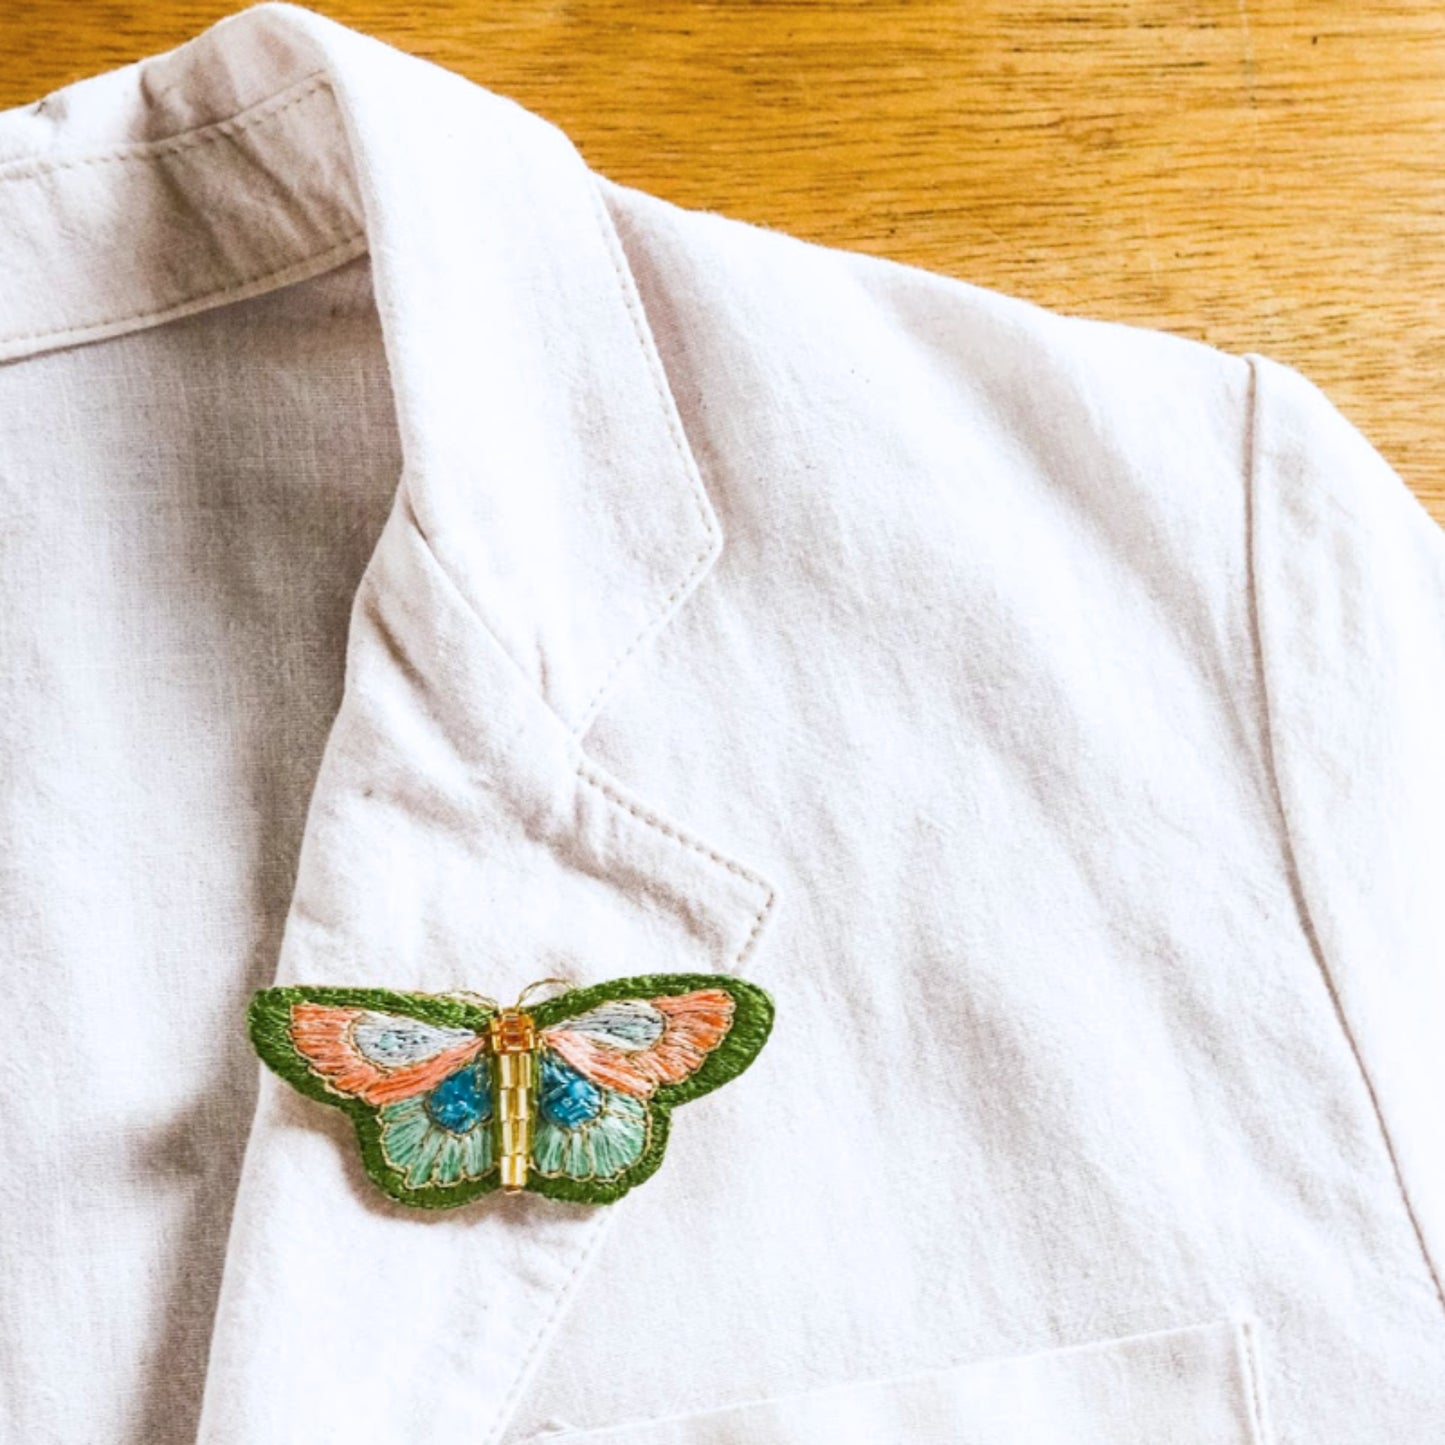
454, 1096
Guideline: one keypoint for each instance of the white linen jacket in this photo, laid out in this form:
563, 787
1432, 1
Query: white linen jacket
434, 567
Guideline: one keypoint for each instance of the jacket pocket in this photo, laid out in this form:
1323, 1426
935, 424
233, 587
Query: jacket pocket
1193, 1386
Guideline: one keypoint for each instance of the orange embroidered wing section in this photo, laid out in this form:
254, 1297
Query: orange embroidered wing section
634, 1045
378, 1057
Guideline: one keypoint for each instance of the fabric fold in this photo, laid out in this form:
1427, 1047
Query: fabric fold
1351, 593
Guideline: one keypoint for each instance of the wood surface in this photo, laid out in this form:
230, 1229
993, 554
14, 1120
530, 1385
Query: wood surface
1259, 174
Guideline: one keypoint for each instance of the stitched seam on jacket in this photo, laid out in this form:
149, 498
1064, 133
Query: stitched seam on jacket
297, 270
1296, 878
633, 304
667, 830
28, 169
585, 770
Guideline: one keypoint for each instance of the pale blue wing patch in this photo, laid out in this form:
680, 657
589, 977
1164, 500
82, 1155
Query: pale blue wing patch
628, 1024
393, 1040
445, 1136
582, 1129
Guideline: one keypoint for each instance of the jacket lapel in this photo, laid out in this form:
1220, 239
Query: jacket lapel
550, 520
544, 454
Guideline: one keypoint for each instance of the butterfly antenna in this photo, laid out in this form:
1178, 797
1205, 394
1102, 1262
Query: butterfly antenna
477, 998
531, 988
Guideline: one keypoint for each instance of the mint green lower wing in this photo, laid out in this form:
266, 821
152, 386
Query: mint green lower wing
443, 1138
589, 1143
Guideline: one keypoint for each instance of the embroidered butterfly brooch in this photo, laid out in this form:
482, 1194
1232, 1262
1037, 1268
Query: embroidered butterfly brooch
454, 1096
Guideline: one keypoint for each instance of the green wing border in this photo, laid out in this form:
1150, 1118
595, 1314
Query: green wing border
269, 1020
752, 1023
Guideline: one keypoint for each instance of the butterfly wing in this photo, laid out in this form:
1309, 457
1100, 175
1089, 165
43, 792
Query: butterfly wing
409, 1069
616, 1058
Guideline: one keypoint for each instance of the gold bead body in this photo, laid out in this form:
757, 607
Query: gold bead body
514, 1042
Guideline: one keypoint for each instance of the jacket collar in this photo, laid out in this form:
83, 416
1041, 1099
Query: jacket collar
278, 144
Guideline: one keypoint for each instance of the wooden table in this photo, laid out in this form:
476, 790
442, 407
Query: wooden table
1260, 174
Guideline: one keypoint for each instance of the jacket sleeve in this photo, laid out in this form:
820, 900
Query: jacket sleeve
1348, 573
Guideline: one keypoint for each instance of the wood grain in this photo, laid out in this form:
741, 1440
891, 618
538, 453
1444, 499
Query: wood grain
1259, 174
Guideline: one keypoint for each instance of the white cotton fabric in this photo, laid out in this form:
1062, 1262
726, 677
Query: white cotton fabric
426, 564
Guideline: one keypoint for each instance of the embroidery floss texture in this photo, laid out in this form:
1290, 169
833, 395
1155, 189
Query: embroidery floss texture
453, 1096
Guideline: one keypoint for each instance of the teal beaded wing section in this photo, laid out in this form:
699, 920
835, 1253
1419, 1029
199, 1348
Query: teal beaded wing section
585, 1131
445, 1136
